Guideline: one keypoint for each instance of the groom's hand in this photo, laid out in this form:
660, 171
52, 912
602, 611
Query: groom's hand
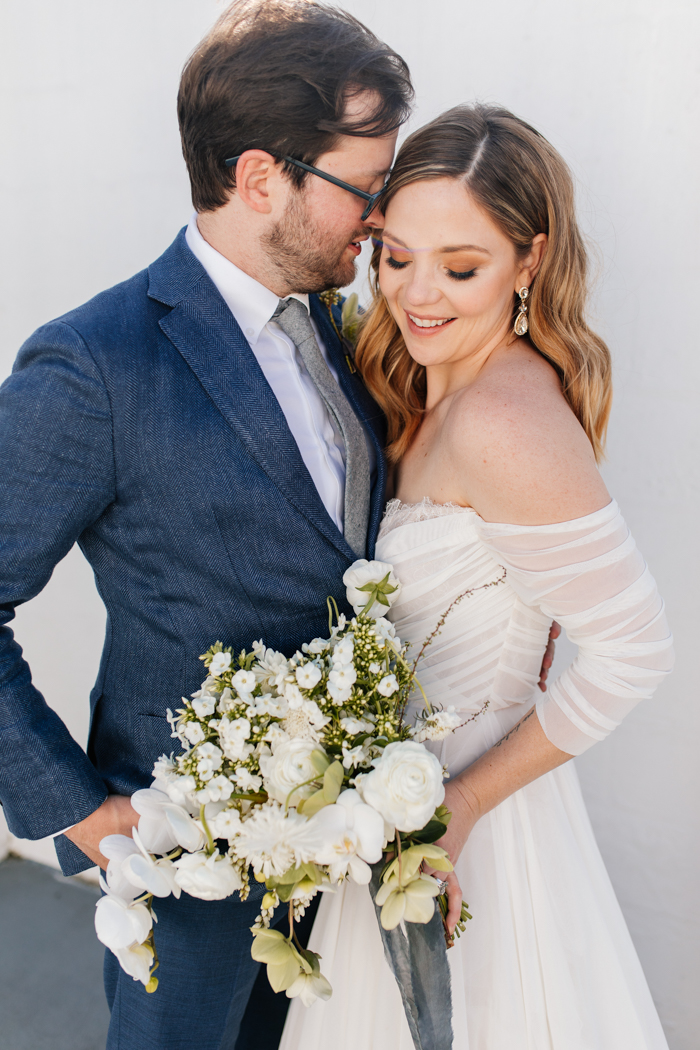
114, 817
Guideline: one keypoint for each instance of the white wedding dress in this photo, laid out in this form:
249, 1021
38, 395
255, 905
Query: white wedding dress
547, 962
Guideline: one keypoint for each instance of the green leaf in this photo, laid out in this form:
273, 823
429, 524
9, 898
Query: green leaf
319, 761
333, 781
313, 804
312, 960
432, 831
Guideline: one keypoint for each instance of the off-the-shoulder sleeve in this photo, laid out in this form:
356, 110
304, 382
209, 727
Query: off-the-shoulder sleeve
589, 575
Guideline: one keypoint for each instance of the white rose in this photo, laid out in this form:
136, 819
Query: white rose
363, 572
220, 664
288, 767
405, 785
308, 675
208, 878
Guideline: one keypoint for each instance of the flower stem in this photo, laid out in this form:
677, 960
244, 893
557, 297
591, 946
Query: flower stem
207, 832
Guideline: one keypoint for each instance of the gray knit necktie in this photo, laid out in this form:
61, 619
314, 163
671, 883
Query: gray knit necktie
293, 318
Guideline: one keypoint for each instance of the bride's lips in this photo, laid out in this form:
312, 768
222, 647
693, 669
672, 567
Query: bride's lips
429, 327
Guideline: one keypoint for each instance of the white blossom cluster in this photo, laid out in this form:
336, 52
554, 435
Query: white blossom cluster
300, 770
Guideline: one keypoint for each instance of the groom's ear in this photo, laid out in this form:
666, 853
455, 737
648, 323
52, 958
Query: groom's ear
259, 181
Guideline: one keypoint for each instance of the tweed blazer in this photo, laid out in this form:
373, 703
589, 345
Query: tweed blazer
141, 427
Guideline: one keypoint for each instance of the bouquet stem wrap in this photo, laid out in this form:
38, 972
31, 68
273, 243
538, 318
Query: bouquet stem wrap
418, 960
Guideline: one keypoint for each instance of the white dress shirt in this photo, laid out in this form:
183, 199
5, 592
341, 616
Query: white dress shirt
312, 425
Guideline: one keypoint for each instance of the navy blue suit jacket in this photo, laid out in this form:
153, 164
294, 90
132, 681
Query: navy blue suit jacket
141, 427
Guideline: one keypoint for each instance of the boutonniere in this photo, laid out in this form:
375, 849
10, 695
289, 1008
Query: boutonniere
350, 314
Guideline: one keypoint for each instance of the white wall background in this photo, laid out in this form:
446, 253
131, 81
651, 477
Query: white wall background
94, 189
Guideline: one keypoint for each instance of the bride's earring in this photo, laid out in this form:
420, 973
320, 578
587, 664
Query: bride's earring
521, 326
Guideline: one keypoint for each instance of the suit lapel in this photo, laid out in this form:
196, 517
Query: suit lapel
202, 328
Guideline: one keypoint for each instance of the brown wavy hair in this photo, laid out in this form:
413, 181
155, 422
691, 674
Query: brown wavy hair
523, 184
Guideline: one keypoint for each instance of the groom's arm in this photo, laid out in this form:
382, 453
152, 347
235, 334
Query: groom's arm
56, 478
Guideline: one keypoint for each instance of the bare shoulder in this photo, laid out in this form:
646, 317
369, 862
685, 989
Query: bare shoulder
520, 450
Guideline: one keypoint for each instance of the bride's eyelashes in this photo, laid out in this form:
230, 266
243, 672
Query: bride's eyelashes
394, 264
464, 275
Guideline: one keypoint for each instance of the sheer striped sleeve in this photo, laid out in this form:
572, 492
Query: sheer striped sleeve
589, 575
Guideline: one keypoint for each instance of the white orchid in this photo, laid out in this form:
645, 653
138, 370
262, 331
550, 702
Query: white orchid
352, 834
119, 923
156, 876
208, 877
156, 831
136, 960
117, 848
310, 987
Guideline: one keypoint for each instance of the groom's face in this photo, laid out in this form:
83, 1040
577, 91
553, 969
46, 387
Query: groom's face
315, 245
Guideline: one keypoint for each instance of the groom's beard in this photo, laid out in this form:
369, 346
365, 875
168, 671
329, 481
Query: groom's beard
307, 257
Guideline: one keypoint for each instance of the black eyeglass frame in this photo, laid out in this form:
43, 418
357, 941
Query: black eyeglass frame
371, 198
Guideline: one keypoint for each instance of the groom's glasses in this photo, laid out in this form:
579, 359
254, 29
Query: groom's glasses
371, 198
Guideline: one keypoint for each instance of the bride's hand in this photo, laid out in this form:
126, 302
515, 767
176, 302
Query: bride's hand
464, 817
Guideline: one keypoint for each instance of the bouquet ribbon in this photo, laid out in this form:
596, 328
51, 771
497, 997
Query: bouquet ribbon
417, 957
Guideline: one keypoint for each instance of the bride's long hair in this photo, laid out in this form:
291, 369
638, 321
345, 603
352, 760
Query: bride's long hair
523, 184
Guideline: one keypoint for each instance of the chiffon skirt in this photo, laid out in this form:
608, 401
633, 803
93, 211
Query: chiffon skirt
546, 963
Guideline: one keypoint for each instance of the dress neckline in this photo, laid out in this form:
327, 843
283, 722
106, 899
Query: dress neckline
397, 513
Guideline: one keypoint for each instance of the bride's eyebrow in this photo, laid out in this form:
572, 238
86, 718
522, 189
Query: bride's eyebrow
449, 249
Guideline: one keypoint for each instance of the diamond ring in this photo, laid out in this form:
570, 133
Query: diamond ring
442, 886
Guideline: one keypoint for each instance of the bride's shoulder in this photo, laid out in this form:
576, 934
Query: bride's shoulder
518, 445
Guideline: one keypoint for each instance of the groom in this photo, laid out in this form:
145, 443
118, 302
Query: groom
201, 432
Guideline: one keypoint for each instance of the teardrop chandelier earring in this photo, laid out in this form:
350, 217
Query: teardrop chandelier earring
521, 326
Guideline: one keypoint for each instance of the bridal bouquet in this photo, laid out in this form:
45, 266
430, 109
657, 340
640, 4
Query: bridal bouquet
301, 771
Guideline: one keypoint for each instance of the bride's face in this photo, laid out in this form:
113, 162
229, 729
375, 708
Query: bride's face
448, 273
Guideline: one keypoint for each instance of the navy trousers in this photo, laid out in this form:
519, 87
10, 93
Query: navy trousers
206, 976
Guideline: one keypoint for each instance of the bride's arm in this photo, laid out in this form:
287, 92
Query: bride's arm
568, 552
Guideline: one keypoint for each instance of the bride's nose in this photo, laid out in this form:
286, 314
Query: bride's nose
420, 290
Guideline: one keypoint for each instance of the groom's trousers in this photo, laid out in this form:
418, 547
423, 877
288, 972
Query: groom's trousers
205, 962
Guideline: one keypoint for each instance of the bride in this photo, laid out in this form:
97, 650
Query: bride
497, 396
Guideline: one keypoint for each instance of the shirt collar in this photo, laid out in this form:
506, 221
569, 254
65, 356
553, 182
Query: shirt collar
251, 303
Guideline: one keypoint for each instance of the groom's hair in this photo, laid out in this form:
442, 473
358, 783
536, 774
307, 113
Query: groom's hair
276, 75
